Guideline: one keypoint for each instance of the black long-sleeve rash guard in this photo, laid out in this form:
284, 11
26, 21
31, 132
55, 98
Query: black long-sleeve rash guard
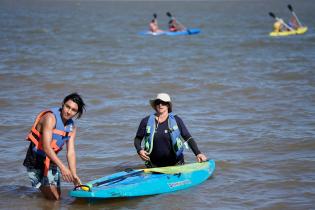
162, 147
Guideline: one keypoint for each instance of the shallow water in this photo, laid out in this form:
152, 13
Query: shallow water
247, 98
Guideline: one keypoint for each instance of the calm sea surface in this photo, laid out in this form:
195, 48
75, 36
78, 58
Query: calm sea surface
248, 99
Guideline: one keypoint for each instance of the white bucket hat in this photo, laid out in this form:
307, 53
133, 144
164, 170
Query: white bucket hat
163, 97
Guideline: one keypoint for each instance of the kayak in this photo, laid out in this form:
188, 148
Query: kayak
301, 30
142, 182
192, 31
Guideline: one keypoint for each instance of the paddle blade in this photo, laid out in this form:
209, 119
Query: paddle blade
272, 15
290, 7
169, 14
155, 15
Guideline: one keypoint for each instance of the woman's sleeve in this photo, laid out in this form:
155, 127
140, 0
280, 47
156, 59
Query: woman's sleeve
140, 134
137, 143
186, 136
182, 128
193, 145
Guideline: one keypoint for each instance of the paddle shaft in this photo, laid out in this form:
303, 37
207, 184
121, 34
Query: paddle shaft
88, 187
286, 25
118, 178
293, 13
279, 19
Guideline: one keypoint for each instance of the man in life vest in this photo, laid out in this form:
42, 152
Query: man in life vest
164, 135
51, 130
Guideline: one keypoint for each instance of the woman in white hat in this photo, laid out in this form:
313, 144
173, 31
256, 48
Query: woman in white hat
164, 135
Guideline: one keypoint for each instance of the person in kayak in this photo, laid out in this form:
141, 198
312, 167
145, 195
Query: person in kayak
293, 23
278, 26
164, 135
174, 26
153, 25
51, 130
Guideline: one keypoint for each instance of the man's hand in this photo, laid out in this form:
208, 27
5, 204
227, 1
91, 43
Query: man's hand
66, 174
76, 180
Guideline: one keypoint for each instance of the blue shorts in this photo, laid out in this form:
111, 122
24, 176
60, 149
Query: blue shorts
38, 179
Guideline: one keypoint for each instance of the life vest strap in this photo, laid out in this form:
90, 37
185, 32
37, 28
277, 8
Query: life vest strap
36, 132
30, 136
34, 140
54, 146
46, 166
62, 133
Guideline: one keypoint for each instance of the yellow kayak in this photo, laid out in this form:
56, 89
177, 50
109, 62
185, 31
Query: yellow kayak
301, 30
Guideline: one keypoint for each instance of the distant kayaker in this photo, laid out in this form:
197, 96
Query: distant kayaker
278, 26
51, 130
164, 135
153, 25
293, 23
174, 26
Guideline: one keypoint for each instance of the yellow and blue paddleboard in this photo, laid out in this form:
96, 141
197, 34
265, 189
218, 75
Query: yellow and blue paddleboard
142, 182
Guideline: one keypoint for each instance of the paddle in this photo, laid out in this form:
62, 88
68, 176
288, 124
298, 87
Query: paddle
172, 18
169, 15
279, 19
123, 177
293, 13
88, 187
155, 15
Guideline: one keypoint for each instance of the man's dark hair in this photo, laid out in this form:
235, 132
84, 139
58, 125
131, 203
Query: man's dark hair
76, 98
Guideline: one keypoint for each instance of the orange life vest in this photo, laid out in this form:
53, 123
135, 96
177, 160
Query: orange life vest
61, 133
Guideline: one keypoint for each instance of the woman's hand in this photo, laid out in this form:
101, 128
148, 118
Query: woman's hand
144, 155
201, 158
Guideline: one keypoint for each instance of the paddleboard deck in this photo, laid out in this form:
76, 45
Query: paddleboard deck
142, 182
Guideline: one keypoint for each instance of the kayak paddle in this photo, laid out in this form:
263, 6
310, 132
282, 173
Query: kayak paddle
169, 15
88, 187
279, 19
293, 13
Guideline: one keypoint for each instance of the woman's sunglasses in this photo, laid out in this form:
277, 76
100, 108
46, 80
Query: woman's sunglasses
158, 102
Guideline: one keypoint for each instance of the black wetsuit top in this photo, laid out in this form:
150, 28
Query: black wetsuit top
163, 153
